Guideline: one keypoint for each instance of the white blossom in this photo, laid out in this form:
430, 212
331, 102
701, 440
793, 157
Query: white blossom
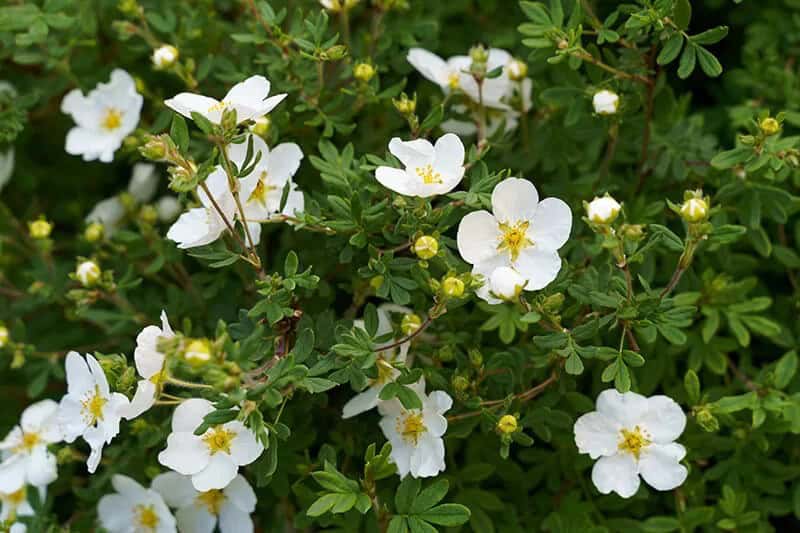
605, 102
200, 512
603, 210
150, 366
26, 459
521, 232
213, 458
103, 118
203, 225
134, 509
633, 436
16, 505
89, 409
142, 186
416, 435
164, 56
430, 169
248, 98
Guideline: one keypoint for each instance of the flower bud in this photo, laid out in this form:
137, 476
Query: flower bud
506, 283
261, 126
405, 105
410, 324
602, 210
375, 282
148, 214
553, 303
517, 69
705, 419
168, 208
334, 53
155, 149
453, 287
475, 357
335, 6
769, 126
632, 232
605, 102
460, 383
446, 353
507, 424
88, 273
182, 179
94, 232
129, 7
363, 72
479, 54
426, 247
197, 351
4, 336
164, 56
40, 229
230, 119
694, 208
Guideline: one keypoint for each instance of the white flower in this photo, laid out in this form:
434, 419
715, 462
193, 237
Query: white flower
203, 225
134, 509
26, 459
261, 190
104, 117
416, 434
89, 409
15, 505
143, 183
248, 98
164, 56
168, 208
111, 211
88, 273
633, 435
150, 366
522, 233
603, 210
6, 166
605, 102
385, 365
199, 512
430, 169
505, 283
213, 458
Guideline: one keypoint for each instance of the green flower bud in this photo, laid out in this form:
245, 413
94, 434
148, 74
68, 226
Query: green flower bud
40, 229
376, 281
475, 357
517, 69
4, 336
695, 207
706, 420
446, 353
632, 232
410, 323
453, 287
155, 148
769, 126
88, 273
426, 247
507, 424
460, 383
148, 214
261, 126
363, 72
197, 351
405, 105
94, 232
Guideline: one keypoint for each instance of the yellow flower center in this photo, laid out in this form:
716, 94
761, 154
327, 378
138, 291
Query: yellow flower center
29, 440
219, 106
212, 500
261, 191
218, 439
92, 410
428, 175
453, 80
17, 498
112, 119
633, 441
411, 427
147, 517
514, 238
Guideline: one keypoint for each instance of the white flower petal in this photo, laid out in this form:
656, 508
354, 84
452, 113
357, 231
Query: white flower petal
284, 160
12, 474
539, 267
412, 153
70, 419
514, 200
143, 399
189, 414
217, 474
232, 519
429, 65
98, 375
245, 448
597, 434
551, 224
660, 467
449, 154
185, 103
665, 420
396, 180
128, 487
427, 460
195, 519
185, 453
79, 378
114, 512
250, 92
144, 181
362, 402
42, 469
268, 105
149, 361
38, 415
176, 489
616, 473
241, 494
628, 409
192, 229
478, 237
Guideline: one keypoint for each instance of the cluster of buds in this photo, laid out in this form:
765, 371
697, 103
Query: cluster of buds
605, 102
762, 128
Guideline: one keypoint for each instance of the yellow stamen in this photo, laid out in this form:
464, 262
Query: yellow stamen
212, 500
112, 119
453, 80
633, 441
147, 517
16, 498
514, 238
29, 441
261, 191
93, 406
428, 175
219, 106
218, 439
411, 427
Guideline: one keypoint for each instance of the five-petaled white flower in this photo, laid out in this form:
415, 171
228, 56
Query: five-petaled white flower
150, 365
522, 233
15, 505
262, 189
248, 98
89, 409
26, 459
134, 509
416, 434
213, 458
199, 512
142, 186
633, 435
203, 225
605, 102
384, 364
104, 117
430, 169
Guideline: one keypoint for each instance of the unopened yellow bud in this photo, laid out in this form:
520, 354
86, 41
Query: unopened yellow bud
410, 323
603, 210
769, 126
426, 247
405, 105
261, 126
364, 72
164, 56
453, 287
148, 214
197, 351
88, 273
94, 232
4, 336
40, 229
376, 282
507, 424
694, 210
517, 70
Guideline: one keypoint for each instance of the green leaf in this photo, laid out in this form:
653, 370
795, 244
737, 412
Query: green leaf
448, 514
785, 369
671, 49
536, 12
692, 385
731, 158
179, 132
708, 62
714, 35
661, 524
323, 504
430, 496
574, 364
682, 14
406, 494
687, 62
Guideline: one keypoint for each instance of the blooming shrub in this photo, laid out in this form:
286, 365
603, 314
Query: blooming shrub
399, 265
